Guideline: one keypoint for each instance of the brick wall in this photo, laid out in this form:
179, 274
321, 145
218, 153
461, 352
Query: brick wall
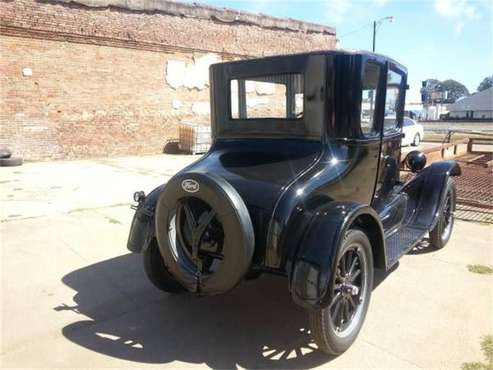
78, 81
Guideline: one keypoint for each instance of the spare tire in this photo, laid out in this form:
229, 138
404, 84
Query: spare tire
10, 162
204, 232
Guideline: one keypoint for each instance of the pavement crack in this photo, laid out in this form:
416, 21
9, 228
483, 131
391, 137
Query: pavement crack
392, 354
71, 211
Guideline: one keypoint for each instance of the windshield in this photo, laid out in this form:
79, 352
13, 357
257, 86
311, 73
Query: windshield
275, 96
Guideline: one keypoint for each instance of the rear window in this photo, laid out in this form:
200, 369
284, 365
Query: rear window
270, 97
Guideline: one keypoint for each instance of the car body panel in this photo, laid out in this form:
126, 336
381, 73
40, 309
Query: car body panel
313, 267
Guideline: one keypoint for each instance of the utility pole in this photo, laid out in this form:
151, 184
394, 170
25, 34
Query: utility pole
374, 34
377, 24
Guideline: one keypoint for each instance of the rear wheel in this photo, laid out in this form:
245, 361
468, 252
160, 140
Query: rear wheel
441, 233
416, 140
336, 326
156, 270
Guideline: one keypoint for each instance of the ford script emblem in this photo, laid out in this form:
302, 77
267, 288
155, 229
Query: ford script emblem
190, 185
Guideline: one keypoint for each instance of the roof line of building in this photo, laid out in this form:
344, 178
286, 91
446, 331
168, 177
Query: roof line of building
202, 11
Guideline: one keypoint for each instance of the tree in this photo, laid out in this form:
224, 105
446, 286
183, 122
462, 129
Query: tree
455, 90
486, 83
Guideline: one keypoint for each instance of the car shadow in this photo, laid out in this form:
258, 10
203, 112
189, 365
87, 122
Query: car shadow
254, 326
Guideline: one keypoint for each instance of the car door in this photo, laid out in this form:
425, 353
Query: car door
391, 134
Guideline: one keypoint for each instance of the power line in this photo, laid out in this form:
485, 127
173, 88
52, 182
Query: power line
354, 31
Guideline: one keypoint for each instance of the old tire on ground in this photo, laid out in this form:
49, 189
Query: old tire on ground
204, 232
335, 327
442, 231
10, 162
156, 270
5, 152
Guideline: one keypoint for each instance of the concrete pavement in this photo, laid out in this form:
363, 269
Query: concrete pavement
73, 297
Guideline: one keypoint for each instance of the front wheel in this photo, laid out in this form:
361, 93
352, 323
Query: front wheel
416, 140
441, 233
335, 327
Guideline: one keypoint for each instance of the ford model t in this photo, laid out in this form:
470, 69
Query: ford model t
302, 180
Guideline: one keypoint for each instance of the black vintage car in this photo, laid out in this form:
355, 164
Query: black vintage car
302, 180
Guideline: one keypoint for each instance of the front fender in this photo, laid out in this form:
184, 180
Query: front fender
426, 192
142, 229
312, 269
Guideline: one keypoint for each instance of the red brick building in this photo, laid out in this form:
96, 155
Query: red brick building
87, 78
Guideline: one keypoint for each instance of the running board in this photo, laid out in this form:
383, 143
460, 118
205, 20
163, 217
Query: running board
401, 241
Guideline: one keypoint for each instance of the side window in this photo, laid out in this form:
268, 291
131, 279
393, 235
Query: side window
371, 76
394, 82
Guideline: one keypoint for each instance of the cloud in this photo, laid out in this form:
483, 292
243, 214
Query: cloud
349, 12
337, 10
461, 12
381, 2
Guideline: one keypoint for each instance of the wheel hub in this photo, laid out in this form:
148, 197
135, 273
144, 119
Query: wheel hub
347, 294
349, 290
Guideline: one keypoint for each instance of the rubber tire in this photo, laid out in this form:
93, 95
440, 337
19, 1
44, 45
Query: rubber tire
436, 240
156, 271
416, 140
321, 331
239, 242
10, 162
5, 153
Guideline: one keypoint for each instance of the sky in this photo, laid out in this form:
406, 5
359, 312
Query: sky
441, 39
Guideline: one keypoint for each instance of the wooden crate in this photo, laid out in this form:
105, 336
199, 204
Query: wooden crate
194, 138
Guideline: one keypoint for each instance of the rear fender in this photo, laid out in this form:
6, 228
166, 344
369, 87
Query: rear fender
312, 269
142, 230
427, 191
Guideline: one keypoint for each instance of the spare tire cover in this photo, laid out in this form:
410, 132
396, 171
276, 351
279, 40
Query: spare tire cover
229, 209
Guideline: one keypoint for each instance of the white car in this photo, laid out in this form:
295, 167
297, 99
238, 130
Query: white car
413, 132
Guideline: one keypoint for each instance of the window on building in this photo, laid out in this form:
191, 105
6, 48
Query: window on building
369, 98
394, 82
274, 96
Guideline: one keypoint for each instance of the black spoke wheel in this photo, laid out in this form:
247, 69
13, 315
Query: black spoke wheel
440, 234
336, 326
347, 290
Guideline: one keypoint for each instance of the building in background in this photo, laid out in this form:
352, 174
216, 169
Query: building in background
434, 99
478, 106
86, 78
414, 110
